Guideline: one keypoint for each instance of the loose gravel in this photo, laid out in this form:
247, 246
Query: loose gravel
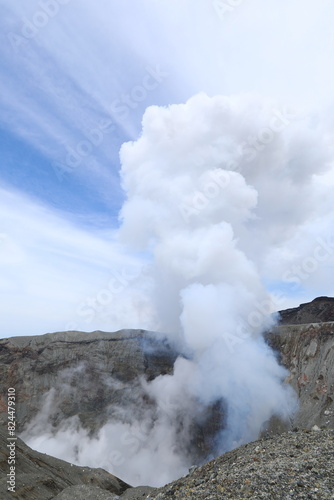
293, 465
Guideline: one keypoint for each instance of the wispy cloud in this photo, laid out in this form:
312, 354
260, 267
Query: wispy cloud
64, 71
63, 78
75, 84
48, 266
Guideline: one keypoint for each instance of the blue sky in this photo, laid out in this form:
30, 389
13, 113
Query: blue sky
76, 78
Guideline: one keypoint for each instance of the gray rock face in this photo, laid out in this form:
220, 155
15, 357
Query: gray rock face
89, 373
308, 352
40, 477
94, 377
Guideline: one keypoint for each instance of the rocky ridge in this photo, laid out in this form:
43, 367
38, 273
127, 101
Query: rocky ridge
320, 310
91, 373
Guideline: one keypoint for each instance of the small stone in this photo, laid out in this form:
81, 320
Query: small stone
316, 428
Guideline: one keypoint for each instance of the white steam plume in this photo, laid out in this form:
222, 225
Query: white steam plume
200, 176
214, 187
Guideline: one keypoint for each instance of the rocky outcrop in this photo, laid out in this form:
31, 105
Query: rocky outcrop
320, 310
308, 352
41, 477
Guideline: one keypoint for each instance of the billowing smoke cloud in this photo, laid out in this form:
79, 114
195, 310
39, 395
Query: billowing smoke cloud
214, 187
203, 181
